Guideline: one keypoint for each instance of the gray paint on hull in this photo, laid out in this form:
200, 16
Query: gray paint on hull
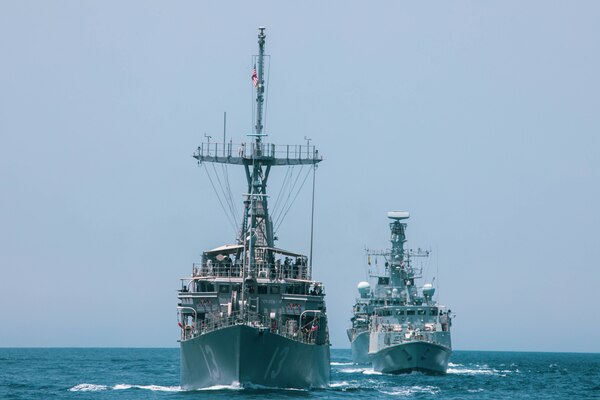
248, 356
413, 356
360, 348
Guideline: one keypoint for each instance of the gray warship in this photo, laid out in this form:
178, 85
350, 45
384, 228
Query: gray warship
395, 326
250, 314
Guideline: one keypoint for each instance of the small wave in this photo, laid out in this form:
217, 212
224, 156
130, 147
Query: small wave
154, 388
339, 384
454, 365
409, 391
354, 385
482, 371
467, 371
352, 370
371, 371
341, 363
88, 387
475, 390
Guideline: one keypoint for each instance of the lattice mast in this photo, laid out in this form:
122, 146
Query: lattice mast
257, 157
399, 261
398, 238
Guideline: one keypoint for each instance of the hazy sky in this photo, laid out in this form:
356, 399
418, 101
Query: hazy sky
480, 118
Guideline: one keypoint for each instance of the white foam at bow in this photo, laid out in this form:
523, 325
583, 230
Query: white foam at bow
154, 388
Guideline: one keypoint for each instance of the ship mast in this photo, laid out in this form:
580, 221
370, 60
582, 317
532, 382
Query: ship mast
260, 87
398, 238
399, 266
402, 272
261, 226
257, 157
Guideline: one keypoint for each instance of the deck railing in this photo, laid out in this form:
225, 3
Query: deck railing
394, 334
273, 271
249, 150
264, 323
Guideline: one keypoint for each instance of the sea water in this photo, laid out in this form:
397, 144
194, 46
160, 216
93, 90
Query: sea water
102, 373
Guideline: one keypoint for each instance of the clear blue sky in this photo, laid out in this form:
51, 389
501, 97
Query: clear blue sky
480, 118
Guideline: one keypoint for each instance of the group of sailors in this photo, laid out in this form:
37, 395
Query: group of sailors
288, 268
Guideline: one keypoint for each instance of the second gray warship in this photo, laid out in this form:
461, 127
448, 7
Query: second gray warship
395, 326
251, 314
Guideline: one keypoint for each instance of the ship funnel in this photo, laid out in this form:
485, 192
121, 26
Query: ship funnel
398, 215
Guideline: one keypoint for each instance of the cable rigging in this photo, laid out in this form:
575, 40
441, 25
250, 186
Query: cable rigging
289, 189
227, 214
282, 218
228, 200
287, 177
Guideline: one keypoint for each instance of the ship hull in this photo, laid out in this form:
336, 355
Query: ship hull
248, 356
412, 356
360, 348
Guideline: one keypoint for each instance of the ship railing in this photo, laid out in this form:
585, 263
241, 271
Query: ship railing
250, 150
235, 318
273, 271
305, 336
258, 321
394, 334
278, 271
218, 270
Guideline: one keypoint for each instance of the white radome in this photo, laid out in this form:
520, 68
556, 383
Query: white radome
428, 290
363, 288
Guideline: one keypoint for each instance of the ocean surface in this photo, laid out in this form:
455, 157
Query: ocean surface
102, 373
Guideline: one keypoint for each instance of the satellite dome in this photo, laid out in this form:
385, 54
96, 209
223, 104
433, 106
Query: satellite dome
364, 288
428, 290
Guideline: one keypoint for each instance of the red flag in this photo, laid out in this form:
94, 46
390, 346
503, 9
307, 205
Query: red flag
254, 77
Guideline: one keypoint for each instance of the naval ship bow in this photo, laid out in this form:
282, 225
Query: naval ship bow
251, 314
